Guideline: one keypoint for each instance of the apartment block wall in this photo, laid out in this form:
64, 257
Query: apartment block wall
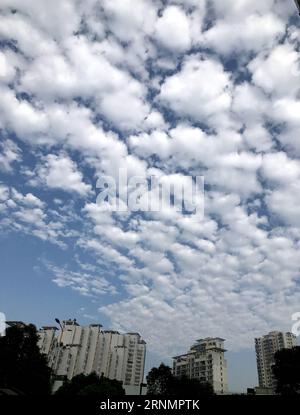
266, 347
204, 361
77, 349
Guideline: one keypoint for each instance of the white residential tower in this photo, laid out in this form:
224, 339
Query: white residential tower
85, 349
204, 361
266, 347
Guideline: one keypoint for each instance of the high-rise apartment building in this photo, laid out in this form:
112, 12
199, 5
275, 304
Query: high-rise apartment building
47, 339
266, 347
85, 349
204, 361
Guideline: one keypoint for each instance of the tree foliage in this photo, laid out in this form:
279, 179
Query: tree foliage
22, 366
192, 388
162, 382
287, 371
91, 385
159, 380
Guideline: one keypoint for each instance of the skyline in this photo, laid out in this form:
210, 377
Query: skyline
237, 367
170, 89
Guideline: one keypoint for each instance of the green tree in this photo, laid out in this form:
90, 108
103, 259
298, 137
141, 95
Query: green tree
287, 371
162, 382
91, 385
185, 387
159, 380
22, 366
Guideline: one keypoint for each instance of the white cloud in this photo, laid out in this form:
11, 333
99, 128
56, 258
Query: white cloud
283, 203
236, 11
74, 73
60, 172
47, 16
249, 103
284, 176
4, 192
28, 200
258, 138
173, 29
277, 167
250, 33
9, 153
21, 116
126, 21
200, 91
284, 111
116, 95
277, 72
86, 284
126, 111
28, 214
186, 146
7, 66
29, 38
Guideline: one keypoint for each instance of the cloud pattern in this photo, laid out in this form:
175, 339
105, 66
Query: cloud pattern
167, 87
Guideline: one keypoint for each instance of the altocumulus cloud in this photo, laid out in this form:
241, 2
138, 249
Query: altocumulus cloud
164, 88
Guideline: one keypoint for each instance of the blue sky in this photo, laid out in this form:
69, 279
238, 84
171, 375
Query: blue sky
164, 88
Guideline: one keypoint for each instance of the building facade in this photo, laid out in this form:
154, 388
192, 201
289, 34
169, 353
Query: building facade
204, 361
266, 347
85, 349
47, 339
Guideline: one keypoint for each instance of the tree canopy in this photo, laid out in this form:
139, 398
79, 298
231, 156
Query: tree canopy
22, 366
159, 380
162, 382
287, 371
91, 385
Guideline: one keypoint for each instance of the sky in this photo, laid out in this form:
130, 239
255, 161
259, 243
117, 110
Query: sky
167, 88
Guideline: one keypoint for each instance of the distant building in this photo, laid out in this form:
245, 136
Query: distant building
260, 391
204, 361
85, 349
266, 347
47, 339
